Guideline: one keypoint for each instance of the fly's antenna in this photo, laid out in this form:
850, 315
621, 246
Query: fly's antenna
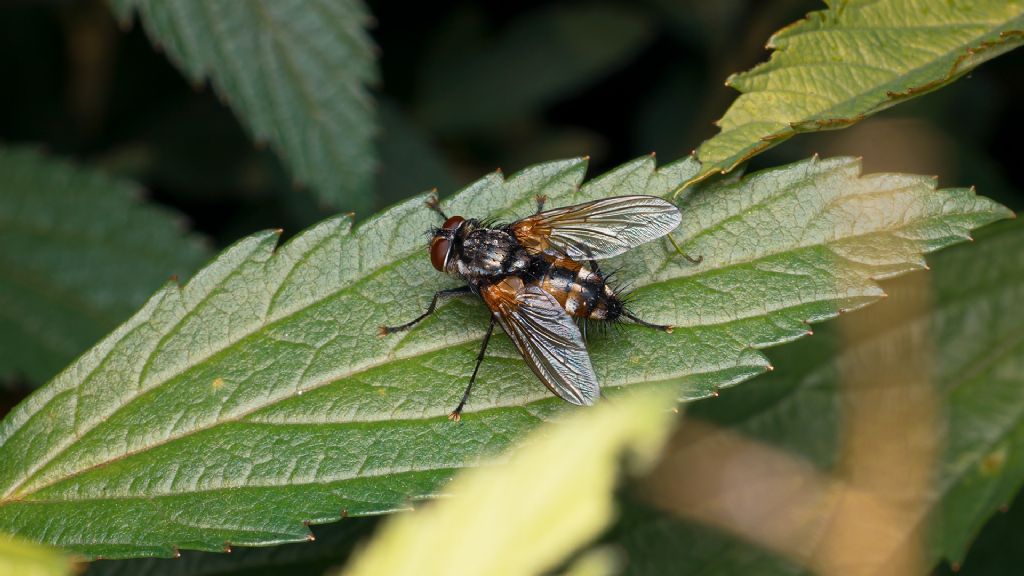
434, 205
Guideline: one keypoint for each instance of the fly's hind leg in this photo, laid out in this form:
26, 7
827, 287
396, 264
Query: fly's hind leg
456, 414
663, 327
385, 330
679, 250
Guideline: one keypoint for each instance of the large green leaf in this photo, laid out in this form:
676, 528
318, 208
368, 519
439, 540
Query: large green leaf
80, 254
333, 544
259, 397
295, 72
853, 59
977, 329
553, 497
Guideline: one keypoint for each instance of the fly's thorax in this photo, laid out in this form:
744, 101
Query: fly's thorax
488, 253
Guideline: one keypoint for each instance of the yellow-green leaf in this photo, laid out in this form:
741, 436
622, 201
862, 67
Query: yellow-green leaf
20, 558
528, 515
853, 59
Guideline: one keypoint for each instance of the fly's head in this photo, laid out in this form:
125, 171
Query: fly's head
444, 244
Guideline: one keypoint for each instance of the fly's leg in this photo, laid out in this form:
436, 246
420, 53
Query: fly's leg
456, 414
435, 205
689, 258
663, 327
385, 330
541, 199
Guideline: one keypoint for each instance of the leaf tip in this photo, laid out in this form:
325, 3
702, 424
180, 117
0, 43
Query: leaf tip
227, 548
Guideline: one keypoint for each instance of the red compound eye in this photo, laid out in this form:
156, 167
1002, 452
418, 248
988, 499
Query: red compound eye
453, 222
439, 245
438, 251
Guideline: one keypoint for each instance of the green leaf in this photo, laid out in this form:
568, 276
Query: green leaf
333, 544
258, 396
295, 72
478, 79
20, 558
554, 496
977, 328
80, 254
854, 59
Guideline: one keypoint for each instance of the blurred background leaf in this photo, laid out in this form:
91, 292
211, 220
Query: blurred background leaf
81, 252
477, 77
801, 408
294, 71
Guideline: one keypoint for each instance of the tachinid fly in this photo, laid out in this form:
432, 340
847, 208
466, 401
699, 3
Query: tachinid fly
540, 273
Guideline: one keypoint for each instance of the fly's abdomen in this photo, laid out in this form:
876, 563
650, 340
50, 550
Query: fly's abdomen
581, 292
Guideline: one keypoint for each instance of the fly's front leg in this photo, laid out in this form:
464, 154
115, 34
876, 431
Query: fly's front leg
385, 330
456, 414
434, 204
541, 200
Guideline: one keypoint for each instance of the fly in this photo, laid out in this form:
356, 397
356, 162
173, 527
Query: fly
539, 274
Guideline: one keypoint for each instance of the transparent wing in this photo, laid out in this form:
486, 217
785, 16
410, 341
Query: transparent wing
547, 338
599, 229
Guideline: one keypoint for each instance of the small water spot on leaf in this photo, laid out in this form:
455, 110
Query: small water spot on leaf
217, 384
